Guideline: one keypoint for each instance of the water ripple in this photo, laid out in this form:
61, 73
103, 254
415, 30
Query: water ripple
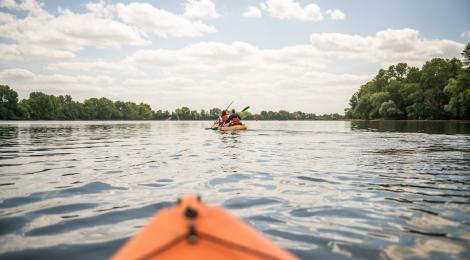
321, 189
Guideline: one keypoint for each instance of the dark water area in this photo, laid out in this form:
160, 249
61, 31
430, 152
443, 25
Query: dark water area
428, 127
360, 189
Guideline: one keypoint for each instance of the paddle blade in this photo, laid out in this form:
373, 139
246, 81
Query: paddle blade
245, 109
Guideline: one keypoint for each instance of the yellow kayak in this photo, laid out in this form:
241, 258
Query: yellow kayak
215, 126
233, 128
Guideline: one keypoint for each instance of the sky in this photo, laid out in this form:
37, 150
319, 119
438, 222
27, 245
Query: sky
307, 55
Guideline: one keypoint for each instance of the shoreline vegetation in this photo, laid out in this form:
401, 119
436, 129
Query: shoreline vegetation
40, 106
440, 90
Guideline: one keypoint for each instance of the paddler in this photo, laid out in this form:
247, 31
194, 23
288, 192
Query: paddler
233, 119
223, 117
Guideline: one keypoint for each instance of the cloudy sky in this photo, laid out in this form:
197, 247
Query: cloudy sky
308, 55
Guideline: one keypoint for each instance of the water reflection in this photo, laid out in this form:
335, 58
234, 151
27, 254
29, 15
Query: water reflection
425, 248
231, 149
429, 127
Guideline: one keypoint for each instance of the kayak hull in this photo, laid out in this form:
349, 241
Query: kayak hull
206, 233
234, 128
228, 128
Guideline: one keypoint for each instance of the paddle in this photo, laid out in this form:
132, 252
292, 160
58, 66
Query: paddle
245, 109
228, 106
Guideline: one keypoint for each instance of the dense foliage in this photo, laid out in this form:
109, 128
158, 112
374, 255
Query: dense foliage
285, 115
40, 106
439, 90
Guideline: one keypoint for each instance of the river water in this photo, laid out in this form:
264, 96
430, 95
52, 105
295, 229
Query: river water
382, 189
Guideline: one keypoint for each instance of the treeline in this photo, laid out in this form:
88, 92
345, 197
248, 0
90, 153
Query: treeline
286, 115
439, 90
185, 113
40, 106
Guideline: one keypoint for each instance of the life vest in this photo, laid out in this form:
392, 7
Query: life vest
223, 118
236, 120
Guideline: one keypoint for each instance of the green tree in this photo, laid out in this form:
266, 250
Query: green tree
204, 115
23, 110
413, 76
376, 101
389, 110
162, 115
8, 103
413, 100
214, 113
283, 115
102, 109
459, 92
183, 113
434, 77
145, 112
401, 71
40, 106
466, 56
436, 91
363, 107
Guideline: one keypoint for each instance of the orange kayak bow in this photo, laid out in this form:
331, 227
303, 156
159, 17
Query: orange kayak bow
194, 230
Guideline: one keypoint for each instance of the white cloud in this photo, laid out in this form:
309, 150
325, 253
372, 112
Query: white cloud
237, 58
95, 66
101, 9
150, 19
31, 6
293, 77
252, 12
203, 9
335, 14
388, 46
16, 75
41, 34
73, 29
207, 71
9, 52
19, 76
10, 4
465, 34
79, 86
6, 18
202, 75
163, 23
291, 10
58, 36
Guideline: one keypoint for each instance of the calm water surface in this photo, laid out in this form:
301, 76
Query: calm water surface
78, 190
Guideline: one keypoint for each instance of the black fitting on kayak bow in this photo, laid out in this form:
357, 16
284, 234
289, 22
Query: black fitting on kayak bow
192, 234
190, 213
199, 198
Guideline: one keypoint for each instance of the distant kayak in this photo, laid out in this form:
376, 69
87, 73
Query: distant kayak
193, 230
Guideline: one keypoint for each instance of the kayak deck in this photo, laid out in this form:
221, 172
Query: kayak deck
194, 230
